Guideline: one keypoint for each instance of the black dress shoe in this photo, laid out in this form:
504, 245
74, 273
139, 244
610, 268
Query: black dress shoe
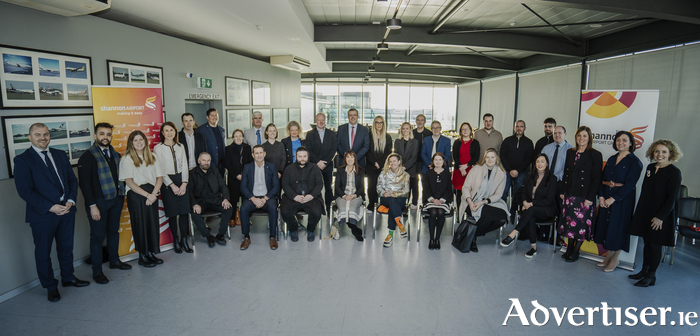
176, 246
571, 258
145, 262
152, 257
54, 295
76, 283
473, 248
649, 280
120, 265
221, 239
211, 240
437, 244
100, 278
185, 245
507, 241
640, 275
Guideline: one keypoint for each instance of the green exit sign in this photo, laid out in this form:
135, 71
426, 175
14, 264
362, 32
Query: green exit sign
204, 83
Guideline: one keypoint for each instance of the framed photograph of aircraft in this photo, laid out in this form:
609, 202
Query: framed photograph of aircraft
42, 79
237, 91
261, 93
132, 74
71, 133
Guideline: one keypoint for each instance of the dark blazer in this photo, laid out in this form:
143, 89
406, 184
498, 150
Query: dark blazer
582, 180
322, 151
443, 147
341, 180
213, 149
199, 194
200, 144
37, 186
433, 188
89, 179
272, 182
377, 157
545, 195
410, 156
474, 151
288, 150
420, 136
360, 146
235, 160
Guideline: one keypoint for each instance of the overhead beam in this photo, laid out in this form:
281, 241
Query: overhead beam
345, 34
425, 70
383, 75
462, 61
650, 36
687, 11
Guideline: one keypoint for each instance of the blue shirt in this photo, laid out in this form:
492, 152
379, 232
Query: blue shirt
295, 144
561, 157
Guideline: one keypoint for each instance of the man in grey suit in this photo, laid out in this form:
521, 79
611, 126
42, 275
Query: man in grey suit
256, 134
353, 136
322, 145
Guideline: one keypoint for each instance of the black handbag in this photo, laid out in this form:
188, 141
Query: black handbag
464, 236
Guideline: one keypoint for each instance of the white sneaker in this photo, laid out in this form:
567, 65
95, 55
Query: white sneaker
388, 241
335, 232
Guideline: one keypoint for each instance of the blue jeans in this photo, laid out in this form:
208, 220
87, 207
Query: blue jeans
396, 206
513, 184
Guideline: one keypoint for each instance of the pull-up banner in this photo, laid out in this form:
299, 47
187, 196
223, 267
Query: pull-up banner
608, 111
130, 109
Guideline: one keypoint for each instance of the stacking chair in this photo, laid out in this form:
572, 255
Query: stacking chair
552, 223
207, 214
260, 213
334, 217
424, 214
404, 213
688, 210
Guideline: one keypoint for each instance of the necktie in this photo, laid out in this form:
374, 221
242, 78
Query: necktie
258, 134
352, 137
106, 153
49, 164
554, 159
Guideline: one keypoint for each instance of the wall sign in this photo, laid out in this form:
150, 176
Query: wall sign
203, 96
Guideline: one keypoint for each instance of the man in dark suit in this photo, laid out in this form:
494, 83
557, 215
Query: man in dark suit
215, 139
259, 187
322, 144
419, 133
353, 136
194, 142
45, 180
98, 169
435, 144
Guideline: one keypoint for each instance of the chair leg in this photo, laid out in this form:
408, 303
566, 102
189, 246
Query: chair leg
191, 230
374, 223
419, 217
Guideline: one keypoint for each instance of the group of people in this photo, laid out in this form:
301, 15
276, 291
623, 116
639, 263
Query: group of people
187, 168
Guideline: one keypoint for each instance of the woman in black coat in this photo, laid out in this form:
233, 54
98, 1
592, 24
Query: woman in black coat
656, 214
236, 156
408, 147
582, 173
437, 196
379, 149
539, 195
292, 142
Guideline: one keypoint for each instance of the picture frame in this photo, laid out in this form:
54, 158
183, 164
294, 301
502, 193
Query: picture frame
32, 78
237, 119
133, 74
72, 133
261, 93
280, 117
237, 91
295, 114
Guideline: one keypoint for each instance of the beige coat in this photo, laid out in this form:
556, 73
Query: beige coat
473, 182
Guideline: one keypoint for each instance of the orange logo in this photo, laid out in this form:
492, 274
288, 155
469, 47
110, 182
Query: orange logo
638, 139
606, 105
149, 102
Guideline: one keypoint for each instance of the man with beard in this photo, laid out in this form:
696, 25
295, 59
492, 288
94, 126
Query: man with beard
548, 137
302, 183
208, 190
488, 137
215, 139
516, 155
98, 169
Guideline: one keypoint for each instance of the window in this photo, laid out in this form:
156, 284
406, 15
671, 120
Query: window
327, 103
398, 107
374, 102
350, 97
307, 105
444, 106
422, 103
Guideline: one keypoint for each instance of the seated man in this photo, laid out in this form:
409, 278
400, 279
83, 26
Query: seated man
259, 187
302, 184
209, 191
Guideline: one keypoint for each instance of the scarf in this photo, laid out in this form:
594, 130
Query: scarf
109, 188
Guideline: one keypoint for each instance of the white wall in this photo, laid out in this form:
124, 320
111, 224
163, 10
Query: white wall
102, 40
498, 98
468, 101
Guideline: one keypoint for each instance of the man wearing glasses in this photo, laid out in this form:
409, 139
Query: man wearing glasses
435, 144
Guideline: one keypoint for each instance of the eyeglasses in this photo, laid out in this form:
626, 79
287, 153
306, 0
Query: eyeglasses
379, 123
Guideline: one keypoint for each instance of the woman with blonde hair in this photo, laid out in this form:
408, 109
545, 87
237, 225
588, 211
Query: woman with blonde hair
143, 178
481, 195
292, 141
393, 186
379, 149
656, 214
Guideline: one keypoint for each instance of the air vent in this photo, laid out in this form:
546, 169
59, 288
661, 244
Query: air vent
290, 62
65, 7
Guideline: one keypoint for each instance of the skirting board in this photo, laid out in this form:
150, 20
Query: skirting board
623, 265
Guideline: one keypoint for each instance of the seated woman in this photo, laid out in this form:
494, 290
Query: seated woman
437, 196
393, 186
481, 195
350, 189
539, 202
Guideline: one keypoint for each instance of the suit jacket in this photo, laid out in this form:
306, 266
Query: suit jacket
250, 137
89, 179
39, 188
443, 147
360, 146
199, 194
212, 146
439, 190
420, 136
234, 160
289, 150
409, 156
272, 182
584, 179
322, 151
200, 144
474, 150
374, 156
341, 181
545, 195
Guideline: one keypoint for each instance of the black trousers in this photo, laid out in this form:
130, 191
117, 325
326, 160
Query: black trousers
436, 221
529, 218
652, 255
290, 207
372, 195
491, 219
248, 206
44, 233
413, 182
327, 181
226, 215
108, 225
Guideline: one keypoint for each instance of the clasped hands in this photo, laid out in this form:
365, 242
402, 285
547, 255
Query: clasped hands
475, 206
258, 201
179, 191
61, 210
606, 203
303, 199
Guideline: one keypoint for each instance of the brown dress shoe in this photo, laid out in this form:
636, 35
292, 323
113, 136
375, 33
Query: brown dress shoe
273, 243
245, 243
232, 223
